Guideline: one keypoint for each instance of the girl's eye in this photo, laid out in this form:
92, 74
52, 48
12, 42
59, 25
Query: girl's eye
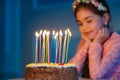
89, 21
80, 24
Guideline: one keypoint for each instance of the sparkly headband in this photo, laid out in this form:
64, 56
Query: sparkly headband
97, 4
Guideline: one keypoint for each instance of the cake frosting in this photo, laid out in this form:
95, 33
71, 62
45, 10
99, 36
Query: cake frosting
57, 65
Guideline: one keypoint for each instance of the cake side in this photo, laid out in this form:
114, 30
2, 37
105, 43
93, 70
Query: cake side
51, 72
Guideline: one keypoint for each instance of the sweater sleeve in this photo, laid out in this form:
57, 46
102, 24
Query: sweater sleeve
100, 65
79, 58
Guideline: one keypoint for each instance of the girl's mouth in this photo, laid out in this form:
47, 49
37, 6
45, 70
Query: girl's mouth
88, 32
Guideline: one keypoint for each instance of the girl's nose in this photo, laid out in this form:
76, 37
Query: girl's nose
85, 26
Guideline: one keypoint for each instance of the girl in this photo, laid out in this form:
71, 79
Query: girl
99, 48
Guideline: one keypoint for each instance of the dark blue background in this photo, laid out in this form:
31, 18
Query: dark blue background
19, 19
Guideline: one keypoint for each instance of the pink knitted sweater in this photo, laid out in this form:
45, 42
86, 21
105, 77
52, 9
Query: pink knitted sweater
104, 60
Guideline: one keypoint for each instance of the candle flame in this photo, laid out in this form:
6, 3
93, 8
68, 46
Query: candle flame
69, 32
61, 33
53, 32
48, 33
40, 32
44, 33
36, 34
65, 32
56, 35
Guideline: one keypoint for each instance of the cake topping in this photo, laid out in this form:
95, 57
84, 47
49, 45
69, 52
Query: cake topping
51, 65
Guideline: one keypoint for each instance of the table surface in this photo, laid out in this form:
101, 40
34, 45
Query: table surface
24, 79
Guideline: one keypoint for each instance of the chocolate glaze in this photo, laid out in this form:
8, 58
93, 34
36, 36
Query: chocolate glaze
51, 73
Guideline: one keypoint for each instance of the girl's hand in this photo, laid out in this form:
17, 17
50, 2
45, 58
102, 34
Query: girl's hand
102, 35
86, 41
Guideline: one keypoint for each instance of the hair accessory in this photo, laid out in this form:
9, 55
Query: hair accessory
97, 4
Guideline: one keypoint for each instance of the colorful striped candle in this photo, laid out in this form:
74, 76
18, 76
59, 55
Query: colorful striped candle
64, 47
46, 47
36, 55
56, 42
60, 45
40, 46
43, 47
52, 45
48, 51
68, 41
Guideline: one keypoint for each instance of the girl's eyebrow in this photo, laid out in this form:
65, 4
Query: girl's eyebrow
88, 17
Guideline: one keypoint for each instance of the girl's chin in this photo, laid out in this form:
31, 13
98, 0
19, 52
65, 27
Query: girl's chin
91, 37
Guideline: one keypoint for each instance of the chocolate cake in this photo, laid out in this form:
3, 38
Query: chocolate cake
45, 71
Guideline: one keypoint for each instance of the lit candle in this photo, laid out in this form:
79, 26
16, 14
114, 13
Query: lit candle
43, 47
36, 55
68, 41
60, 48
52, 44
56, 38
46, 48
48, 51
64, 48
40, 44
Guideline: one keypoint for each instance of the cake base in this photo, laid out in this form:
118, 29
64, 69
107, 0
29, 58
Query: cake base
51, 73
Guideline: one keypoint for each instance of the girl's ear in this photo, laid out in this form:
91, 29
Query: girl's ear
106, 17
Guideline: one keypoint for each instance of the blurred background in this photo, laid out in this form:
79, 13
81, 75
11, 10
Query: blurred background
19, 19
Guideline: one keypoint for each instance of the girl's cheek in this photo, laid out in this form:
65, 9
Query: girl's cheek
81, 30
96, 27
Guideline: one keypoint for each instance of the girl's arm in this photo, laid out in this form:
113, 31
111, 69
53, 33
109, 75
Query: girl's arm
80, 56
100, 65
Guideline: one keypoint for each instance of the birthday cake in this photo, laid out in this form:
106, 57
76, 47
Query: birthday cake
44, 71
44, 68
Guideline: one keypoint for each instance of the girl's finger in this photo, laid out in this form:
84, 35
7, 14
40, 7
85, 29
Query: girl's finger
102, 32
99, 33
105, 31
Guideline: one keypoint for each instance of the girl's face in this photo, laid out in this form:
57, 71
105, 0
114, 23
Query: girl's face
89, 23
